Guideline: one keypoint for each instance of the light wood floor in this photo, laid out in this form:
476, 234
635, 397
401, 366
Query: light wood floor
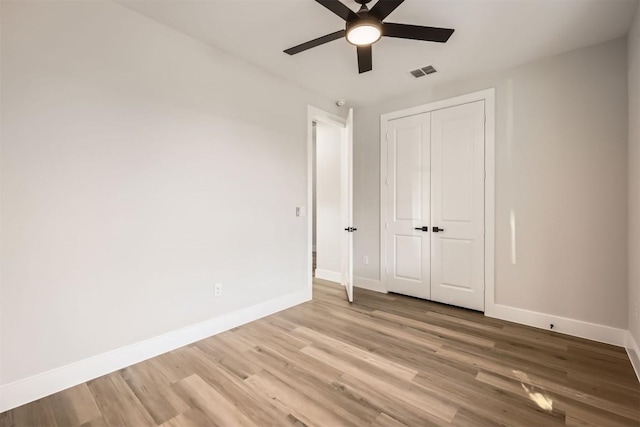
385, 360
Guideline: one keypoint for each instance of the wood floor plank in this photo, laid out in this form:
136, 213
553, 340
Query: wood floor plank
383, 360
191, 418
118, 404
490, 403
228, 357
410, 393
227, 383
153, 390
75, 406
210, 402
605, 389
71, 407
38, 413
472, 324
98, 422
263, 332
580, 416
384, 420
398, 408
394, 332
297, 404
468, 418
500, 364
315, 385
436, 330
549, 388
324, 341
577, 413
174, 365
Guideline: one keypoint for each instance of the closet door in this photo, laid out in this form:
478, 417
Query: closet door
457, 205
408, 194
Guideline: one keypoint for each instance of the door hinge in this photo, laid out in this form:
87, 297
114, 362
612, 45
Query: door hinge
386, 225
386, 181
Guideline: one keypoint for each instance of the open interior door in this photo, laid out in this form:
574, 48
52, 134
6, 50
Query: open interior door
347, 207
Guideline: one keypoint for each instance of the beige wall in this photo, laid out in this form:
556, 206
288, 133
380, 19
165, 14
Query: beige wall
634, 179
138, 167
561, 150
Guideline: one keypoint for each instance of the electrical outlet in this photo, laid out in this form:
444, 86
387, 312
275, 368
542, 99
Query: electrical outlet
217, 289
365, 260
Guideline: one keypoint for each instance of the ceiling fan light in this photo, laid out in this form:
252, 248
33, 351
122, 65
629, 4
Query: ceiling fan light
364, 34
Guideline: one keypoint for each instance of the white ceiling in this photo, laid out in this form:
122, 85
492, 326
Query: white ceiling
490, 34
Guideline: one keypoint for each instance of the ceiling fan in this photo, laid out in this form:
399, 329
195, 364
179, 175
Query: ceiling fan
365, 27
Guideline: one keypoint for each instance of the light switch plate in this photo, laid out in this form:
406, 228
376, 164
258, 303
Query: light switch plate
301, 211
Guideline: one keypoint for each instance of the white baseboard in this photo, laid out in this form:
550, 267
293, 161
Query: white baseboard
370, 284
563, 325
41, 385
634, 353
331, 276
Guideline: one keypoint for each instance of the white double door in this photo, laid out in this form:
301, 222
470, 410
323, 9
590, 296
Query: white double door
435, 205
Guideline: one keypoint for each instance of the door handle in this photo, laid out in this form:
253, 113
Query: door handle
437, 229
350, 229
421, 228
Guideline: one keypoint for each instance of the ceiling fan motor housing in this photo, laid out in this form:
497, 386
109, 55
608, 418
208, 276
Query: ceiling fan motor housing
364, 19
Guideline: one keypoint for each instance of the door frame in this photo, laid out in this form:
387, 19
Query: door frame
488, 96
315, 115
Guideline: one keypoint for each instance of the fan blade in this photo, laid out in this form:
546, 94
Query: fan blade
383, 8
416, 32
315, 42
339, 9
365, 59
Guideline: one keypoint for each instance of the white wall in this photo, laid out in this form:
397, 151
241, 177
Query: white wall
634, 178
328, 201
138, 167
561, 167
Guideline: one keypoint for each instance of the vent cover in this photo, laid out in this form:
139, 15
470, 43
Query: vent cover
423, 71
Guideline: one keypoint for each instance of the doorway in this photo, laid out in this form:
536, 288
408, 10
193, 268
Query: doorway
330, 154
437, 201
328, 200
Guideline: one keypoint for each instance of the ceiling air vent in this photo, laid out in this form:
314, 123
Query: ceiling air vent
423, 71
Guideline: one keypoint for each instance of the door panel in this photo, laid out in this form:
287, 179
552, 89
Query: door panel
347, 207
456, 159
407, 169
408, 260
408, 185
457, 205
456, 267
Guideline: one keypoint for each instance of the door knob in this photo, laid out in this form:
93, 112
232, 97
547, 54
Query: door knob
437, 229
421, 228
